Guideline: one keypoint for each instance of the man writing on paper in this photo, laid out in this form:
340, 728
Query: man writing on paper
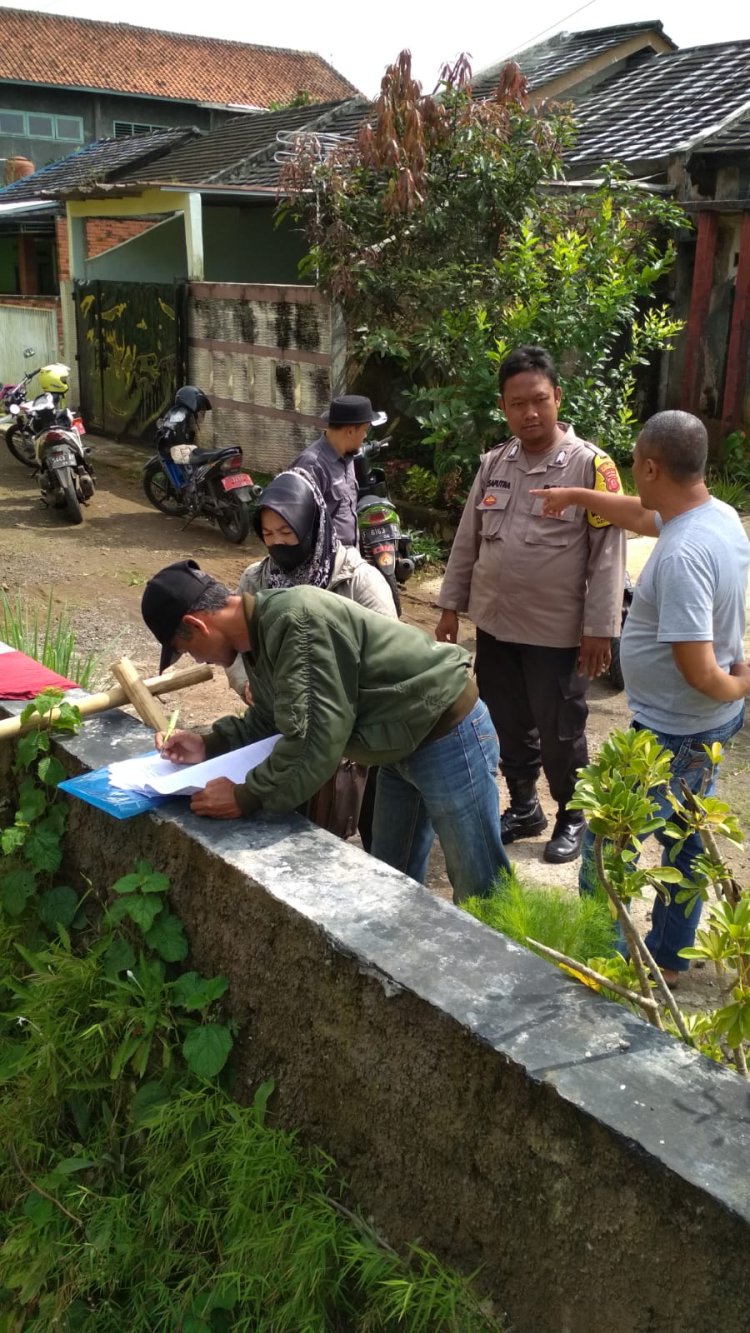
338, 680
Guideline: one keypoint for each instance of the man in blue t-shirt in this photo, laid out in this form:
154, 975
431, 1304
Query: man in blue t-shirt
681, 651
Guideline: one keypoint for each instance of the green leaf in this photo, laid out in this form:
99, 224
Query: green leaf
206, 1049
260, 1100
71, 1164
51, 771
12, 1058
154, 882
119, 957
32, 801
27, 749
142, 911
15, 890
125, 1051
192, 991
58, 906
127, 884
42, 849
167, 938
12, 839
38, 1210
149, 1098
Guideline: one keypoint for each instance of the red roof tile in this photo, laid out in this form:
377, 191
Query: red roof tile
81, 53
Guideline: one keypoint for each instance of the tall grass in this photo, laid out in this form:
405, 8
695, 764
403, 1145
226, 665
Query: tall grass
582, 928
47, 636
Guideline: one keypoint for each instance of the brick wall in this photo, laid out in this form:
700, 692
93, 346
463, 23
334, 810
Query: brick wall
63, 257
103, 233
100, 234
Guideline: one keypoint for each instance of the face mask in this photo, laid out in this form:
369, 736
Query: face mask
289, 558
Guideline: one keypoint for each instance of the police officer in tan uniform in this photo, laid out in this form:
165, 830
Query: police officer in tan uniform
544, 593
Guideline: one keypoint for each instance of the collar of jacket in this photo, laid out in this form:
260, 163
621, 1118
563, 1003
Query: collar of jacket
250, 610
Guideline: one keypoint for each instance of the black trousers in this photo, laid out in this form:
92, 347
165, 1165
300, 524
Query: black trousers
537, 701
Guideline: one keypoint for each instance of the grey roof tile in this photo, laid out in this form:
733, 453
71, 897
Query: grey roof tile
242, 151
650, 112
562, 54
98, 161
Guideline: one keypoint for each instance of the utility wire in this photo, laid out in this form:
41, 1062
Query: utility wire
530, 40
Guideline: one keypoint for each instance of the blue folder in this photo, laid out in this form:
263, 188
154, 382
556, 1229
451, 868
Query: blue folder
95, 789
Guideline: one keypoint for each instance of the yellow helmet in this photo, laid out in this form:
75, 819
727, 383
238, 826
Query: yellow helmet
54, 378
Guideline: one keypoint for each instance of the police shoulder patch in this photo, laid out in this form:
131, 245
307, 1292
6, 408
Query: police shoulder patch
606, 478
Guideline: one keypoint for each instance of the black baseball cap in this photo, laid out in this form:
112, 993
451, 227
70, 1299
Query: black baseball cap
352, 410
167, 597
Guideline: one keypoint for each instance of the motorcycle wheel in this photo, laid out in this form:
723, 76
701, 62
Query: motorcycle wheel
21, 445
233, 519
614, 671
159, 490
72, 505
391, 580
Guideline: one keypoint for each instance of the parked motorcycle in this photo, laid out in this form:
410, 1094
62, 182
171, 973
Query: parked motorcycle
381, 540
19, 424
65, 475
190, 482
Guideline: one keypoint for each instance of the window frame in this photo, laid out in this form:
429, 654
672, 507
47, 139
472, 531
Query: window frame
54, 137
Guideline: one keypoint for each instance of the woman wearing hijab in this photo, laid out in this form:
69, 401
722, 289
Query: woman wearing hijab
293, 523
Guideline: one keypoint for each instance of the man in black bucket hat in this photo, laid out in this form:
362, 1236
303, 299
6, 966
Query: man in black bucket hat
330, 459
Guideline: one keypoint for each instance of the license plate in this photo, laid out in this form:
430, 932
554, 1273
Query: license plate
383, 533
235, 480
60, 459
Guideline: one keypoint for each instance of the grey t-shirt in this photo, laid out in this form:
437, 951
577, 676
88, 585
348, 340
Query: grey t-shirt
692, 590
337, 483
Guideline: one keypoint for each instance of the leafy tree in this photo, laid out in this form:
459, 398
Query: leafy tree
444, 233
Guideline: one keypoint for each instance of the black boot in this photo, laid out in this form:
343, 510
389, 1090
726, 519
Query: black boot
524, 817
567, 836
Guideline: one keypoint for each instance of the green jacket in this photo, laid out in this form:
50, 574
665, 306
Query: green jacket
334, 679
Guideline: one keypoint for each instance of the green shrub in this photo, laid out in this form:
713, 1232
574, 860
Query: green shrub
135, 1193
581, 928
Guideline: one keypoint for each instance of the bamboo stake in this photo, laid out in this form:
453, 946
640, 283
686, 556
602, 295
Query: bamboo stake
116, 697
148, 709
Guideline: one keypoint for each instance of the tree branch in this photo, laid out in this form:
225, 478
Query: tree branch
646, 1002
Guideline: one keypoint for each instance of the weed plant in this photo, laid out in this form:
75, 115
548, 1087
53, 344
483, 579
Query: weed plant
48, 637
135, 1192
581, 928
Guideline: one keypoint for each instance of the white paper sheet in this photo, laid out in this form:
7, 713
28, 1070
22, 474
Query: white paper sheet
151, 775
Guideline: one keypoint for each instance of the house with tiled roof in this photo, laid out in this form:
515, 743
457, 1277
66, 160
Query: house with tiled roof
69, 81
680, 120
570, 64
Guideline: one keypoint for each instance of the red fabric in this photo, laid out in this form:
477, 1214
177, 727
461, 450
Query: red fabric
23, 678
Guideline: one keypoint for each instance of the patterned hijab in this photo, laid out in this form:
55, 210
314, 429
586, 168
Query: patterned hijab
295, 497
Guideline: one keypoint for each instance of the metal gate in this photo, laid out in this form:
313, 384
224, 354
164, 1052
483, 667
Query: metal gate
24, 326
131, 353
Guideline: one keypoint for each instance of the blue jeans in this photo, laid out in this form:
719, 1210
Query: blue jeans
447, 787
672, 928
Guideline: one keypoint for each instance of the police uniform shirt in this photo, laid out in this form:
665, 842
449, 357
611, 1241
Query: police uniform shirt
337, 482
529, 579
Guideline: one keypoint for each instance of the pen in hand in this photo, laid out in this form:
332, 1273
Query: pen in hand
171, 724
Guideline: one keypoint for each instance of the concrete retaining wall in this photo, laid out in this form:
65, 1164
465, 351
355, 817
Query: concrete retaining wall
474, 1098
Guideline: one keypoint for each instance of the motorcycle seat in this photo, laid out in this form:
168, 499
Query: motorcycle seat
209, 455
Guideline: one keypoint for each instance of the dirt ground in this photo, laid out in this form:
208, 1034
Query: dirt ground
96, 573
